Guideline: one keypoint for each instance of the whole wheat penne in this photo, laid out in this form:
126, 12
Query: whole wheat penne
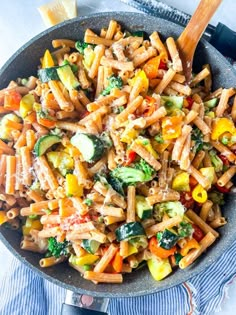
51, 261
131, 204
174, 54
116, 64
163, 225
103, 277
168, 77
179, 143
224, 150
225, 178
10, 174
106, 258
163, 195
203, 181
205, 210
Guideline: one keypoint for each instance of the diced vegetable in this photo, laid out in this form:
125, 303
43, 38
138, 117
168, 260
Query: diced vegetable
44, 143
159, 268
171, 127
129, 134
143, 166
151, 67
67, 77
88, 259
145, 142
181, 182
209, 173
140, 75
172, 208
129, 230
199, 194
216, 161
5, 133
144, 211
216, 197
113, 83
197, 233
81, 45
131, 156
186, 199
167, 239
128, 175
12, 100
73, 189
116, 184
91, 246
3, 217
90, 146
220, 126
178, 257
89, 56
158, 251
172, 103
139, 241
191, 243
47, 60
117, 262
48, 74
197, 136
57, 249
26, 105
185, 229
211, 103
61, 160
30, 224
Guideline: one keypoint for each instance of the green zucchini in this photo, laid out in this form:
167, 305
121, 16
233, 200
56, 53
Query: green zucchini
67, 77
91, 246
45, 143
167, 239
90, 146
48, 74
143, 210
211, 103
172, 103
129, 230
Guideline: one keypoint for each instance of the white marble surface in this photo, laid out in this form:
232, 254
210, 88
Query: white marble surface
20, 21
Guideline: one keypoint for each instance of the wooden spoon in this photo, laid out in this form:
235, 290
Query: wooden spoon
188, 40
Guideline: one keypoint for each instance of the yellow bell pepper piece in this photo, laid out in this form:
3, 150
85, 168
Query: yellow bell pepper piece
26, 105
3, 217
199, 194
128, 135
131, 250
160, 147
88, 259
89, 56
61, 160
72, 186
191, 243
181, 182
209, 173
159, 268
220, 126
31, 224
140, 75
47, 60
171, 127
147, 145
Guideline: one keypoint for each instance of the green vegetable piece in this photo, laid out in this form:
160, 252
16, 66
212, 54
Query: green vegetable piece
159, 268
114, 82
185, 229
178, 257
74, 67
48, 74
87, 267
143, 166
128, 175
172, 208
58, 249
143, 209
172, 103
197, 136
216, 161
88, 201
90, 146
138, 242
159, 139
168, 239
67, 77
91, 246
116, 184
211, 103
80, 45
45, 143
129, 230
216, 197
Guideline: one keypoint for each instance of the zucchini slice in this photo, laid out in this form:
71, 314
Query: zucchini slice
129, 230
45, 143
167, 239
90, 146
48, 74
67, 77
143, 210
91, 246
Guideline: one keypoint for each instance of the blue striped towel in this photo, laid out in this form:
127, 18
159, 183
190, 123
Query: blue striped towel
23, 292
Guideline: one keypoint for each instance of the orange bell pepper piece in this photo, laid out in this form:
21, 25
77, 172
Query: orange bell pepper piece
117, 262
151, 67
171, 127
159, 251
12, 100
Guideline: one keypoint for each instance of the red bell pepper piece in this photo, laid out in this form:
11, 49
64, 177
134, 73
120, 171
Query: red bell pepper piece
224, 159
198, 233
190, 102
130, 157
186, 199
12, 100
162, 65
223, 189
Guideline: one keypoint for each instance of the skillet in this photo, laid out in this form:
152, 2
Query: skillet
24, 63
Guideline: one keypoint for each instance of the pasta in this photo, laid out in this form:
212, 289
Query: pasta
109, 159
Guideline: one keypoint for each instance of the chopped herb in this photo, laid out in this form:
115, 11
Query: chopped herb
114, 82
197, 136
80, 45
57, 249
87, 267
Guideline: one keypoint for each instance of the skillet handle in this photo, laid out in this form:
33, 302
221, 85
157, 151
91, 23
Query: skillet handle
74, 310
79, 304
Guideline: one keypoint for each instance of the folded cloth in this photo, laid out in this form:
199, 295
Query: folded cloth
23, 292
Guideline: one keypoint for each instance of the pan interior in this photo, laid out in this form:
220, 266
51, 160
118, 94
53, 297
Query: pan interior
25, 62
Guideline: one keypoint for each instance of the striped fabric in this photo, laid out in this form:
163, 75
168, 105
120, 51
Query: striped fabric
24, 293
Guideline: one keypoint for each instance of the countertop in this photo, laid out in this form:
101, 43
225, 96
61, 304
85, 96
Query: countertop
20, 21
